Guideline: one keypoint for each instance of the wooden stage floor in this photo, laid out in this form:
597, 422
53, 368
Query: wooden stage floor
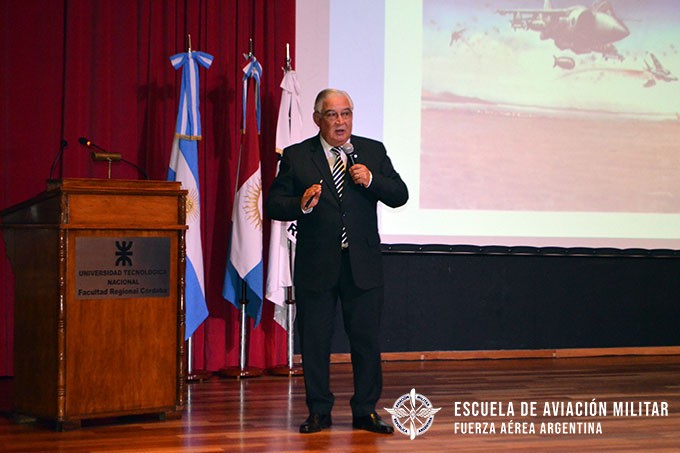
590, 395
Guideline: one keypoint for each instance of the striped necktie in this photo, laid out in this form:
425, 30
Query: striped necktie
338, 172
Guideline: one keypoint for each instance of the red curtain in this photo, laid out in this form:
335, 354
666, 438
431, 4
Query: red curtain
100, 69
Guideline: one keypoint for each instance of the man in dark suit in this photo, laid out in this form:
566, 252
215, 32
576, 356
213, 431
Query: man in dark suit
338, 253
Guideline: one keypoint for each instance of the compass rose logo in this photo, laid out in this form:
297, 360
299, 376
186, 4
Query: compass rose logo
412, 414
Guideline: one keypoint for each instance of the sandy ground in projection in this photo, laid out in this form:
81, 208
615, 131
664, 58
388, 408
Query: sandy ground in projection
489, 159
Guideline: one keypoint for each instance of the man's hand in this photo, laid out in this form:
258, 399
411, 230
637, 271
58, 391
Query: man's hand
311, 197
360, 174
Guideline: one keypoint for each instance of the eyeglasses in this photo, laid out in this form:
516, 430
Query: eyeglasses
332, 115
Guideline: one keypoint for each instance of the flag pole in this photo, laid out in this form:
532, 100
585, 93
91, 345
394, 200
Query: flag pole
193, 375
243, 370
290, 369
293, 370
183, 167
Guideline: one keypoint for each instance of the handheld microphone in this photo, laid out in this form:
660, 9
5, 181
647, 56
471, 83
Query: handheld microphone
64, 144
348, 149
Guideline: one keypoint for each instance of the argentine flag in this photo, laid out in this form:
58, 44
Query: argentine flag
184, 168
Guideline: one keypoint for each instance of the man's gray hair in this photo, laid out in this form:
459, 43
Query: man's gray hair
323, 94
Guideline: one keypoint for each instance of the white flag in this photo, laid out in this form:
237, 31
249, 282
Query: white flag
282, 241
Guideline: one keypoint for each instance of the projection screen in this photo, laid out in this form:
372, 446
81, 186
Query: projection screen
517, 122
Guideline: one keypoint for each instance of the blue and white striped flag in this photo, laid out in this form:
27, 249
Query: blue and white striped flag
184, 168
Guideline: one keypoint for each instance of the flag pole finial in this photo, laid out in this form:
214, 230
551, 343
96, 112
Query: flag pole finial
288, 65
249, 55
189, 41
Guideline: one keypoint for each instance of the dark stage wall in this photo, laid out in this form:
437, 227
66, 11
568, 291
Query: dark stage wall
494, 298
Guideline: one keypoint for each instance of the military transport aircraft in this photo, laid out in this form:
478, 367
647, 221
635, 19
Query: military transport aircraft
578, 28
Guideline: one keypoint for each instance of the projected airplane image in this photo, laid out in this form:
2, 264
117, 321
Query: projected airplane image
576, 28
658, 72
456, 36
551, 106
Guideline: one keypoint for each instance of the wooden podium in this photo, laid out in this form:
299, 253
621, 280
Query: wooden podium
99, 300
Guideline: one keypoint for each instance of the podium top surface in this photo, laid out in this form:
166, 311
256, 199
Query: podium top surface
111, 185
102, 203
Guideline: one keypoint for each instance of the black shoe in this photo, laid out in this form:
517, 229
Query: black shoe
315, 423
372, 423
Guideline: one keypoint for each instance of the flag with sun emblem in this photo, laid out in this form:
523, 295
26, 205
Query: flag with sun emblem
184, 168
244, 264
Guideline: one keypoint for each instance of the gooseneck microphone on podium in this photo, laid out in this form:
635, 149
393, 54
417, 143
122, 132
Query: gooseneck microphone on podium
103, 155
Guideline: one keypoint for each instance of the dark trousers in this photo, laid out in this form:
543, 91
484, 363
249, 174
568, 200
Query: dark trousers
361, 311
